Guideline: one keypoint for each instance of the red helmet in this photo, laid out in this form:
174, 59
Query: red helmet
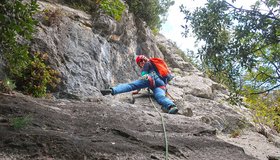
140, 58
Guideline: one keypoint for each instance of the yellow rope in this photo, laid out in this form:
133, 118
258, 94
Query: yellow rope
163, 126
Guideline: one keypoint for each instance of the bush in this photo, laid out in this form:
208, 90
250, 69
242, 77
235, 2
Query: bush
266, 108
38, 77
153, 12
16, 25
51, 17
29, 71
113, 8
7, 85
21, 122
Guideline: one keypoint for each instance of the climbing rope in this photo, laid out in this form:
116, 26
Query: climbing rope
163, 126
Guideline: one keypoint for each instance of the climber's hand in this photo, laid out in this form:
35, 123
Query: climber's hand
145, 77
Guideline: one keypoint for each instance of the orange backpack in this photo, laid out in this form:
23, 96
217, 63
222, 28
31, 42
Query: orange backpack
161, 69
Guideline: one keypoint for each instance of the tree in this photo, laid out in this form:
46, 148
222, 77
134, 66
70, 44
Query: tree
242, 50
241, 46
153, 12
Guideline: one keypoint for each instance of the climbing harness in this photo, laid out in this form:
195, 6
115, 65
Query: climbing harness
163, 126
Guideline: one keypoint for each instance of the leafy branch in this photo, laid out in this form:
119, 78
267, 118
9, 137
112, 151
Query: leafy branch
267, 90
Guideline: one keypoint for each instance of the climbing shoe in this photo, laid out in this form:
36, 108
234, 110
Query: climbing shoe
106, 91
164, 110
173, 109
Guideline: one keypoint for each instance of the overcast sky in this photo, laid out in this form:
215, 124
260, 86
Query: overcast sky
172, 28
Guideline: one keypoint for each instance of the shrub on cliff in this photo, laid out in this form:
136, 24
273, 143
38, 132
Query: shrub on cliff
16, 28
113, 8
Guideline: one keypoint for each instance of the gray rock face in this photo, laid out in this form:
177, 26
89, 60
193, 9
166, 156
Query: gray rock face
170, 50
92, 55
86, 60
2, 66
95, 54
106, 129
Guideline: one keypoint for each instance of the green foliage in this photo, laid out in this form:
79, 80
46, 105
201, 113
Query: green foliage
30, 72
84, 5
38, 76
241, 46
7, 85
16, 24
266, 108
153, 12
21, 122
155, 31
241, 51
52, 17
113, 8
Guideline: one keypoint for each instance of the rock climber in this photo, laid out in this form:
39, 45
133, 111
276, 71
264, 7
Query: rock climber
149, 79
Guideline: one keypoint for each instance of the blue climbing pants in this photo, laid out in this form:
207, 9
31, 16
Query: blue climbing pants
158, 90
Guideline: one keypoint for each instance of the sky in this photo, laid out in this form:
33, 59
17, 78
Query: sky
172, 28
